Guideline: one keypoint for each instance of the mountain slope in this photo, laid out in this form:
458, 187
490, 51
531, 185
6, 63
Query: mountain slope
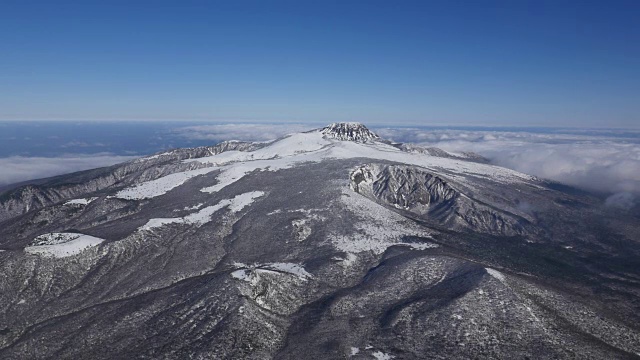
327, 244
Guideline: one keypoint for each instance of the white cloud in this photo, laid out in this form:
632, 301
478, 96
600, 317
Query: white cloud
600, 161
20, 168
245, 132
621, 200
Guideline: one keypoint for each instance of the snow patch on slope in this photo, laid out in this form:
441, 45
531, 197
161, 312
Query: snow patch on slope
84, 201
379, 355
61, 245
204, 215
159, 222
160, 186
251, 273
291, 145
231, 174
289, 268
243, 200
190, 208
496, 274
378, 229
282, 154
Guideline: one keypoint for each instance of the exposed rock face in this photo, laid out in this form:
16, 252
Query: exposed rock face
349, 132
402, 186
327, 244
431, 198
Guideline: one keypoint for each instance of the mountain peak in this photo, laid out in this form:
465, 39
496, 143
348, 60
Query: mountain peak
349, 131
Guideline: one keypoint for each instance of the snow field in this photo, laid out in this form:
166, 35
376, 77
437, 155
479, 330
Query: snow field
61, 245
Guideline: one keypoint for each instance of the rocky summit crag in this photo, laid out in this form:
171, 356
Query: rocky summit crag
349, 132
327, 244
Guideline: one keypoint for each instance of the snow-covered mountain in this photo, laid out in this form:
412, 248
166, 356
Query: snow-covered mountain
333, 243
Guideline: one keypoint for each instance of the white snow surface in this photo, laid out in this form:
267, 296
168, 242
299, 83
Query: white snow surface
84, 201
313, 147
290, 268
251, 273
190, 208
159, 222
379, 355
160, 186
377, 229
243, 200
309, 147
61, 245
204, 215
242, 274
496, 274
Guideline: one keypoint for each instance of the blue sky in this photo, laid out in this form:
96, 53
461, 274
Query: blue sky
515, 63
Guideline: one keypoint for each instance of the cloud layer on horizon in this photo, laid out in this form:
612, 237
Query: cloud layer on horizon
605, 164
21, 168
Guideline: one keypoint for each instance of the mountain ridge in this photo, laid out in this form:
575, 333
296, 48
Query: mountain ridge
314, 245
